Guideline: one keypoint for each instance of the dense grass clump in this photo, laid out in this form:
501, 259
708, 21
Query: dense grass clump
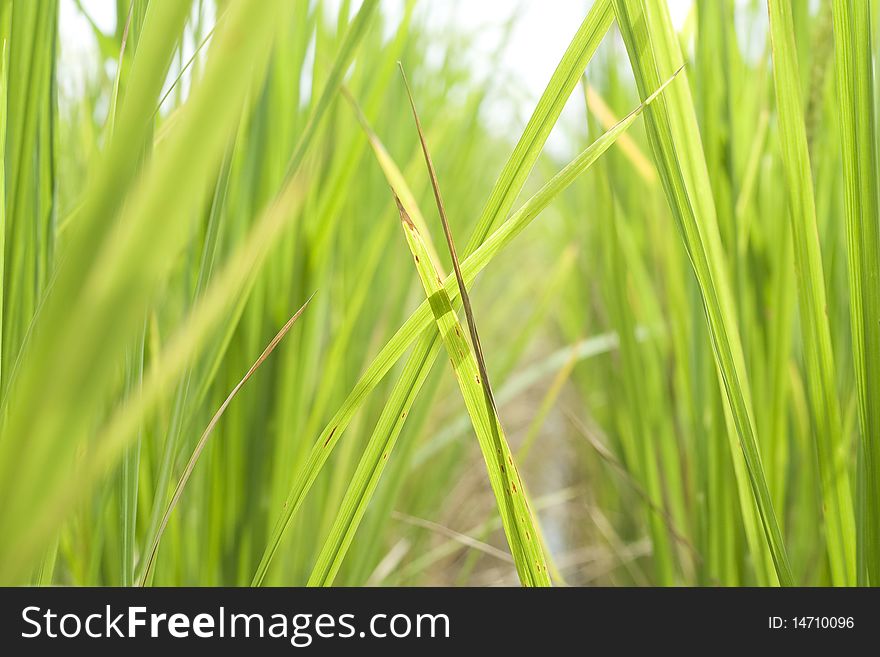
668, 379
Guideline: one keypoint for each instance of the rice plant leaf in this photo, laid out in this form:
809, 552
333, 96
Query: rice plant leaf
853, 50
391, 171
672, 129
114, 98
627, 145
31, 467
203, 440
450, 244
570, 69
418, 326
97, 301
501, 200
230, 285
349, 46
519, 525
5, 27
822, 390
198, 49
533, 529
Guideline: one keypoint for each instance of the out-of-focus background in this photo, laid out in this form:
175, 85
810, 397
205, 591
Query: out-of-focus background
172, 197
501, 46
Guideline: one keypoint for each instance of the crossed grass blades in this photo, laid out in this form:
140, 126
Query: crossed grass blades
681, 346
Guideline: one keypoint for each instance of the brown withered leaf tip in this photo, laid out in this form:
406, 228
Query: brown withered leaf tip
450, 243
404, 217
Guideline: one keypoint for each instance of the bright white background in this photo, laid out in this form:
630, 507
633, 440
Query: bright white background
540, 33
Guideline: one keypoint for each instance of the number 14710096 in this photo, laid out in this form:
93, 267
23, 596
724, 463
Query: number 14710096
810, 622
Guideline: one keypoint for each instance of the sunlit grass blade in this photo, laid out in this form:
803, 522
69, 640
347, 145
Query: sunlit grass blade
627, 145
519, 525
853, 50
349, 46
675, 141
114, 98
824, 405
501, 199
450, 244
570, 69
391, 171
427, 348
534, 528
5, 29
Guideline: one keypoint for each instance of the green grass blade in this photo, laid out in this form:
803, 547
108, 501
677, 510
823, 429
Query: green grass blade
350, 44
30, 193
203, 440
98, 285
519, 525
824, 405
417, 326
51, 437
530, 529
5, 28
501, 200
857, 112
450, 244
392, 172
570, 69
675, 141
128, 476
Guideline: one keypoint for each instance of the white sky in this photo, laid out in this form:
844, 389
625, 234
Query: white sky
538, 38
541, 33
